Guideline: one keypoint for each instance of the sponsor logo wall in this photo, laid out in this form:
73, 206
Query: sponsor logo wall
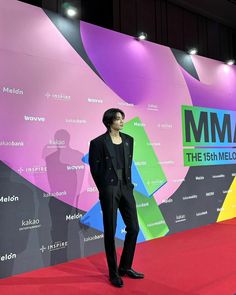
53, 92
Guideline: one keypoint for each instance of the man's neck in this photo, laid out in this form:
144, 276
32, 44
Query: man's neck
114, 133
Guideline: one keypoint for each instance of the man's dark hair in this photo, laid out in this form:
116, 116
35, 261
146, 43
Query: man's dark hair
110, 115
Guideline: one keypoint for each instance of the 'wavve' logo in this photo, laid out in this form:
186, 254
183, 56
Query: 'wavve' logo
78, 167
34, 119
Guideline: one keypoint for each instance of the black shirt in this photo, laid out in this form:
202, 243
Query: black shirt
119, 152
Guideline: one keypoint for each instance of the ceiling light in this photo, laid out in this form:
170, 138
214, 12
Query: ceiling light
142, 36
230, 62
192, 51
71, 12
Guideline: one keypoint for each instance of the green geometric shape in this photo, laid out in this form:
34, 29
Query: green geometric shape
151, 220
145, 159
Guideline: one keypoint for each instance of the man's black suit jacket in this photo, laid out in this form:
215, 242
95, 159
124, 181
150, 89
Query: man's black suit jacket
102, 160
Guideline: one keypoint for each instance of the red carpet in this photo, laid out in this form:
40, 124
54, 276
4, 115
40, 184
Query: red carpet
198, 261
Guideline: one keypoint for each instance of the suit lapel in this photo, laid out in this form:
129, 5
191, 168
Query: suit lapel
126, 149
110, 148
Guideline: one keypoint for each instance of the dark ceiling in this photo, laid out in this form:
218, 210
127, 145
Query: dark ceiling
223, 11
209, 25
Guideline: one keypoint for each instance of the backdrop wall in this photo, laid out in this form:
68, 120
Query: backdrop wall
57, 78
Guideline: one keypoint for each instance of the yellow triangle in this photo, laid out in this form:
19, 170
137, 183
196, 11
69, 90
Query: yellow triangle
229, 206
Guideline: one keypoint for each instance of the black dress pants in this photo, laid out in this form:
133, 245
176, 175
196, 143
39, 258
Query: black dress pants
113, 198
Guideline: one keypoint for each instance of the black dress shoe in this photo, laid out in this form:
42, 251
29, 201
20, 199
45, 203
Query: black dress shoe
131, 273
117, 282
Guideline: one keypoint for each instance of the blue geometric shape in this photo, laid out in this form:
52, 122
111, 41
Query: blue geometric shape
85, 158
136, 178
93, 218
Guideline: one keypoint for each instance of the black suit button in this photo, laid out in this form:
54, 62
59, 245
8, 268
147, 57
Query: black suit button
130, 156
112, 180
128, 177
107, 157
109, 168
129, 166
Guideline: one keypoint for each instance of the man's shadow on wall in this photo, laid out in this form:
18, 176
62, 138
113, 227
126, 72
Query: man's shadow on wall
65, 177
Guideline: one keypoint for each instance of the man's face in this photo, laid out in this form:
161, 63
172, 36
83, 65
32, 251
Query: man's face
118, 122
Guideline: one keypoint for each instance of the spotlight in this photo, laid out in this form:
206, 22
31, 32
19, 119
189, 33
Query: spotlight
230, 62
192, 51
142, 36
71, 12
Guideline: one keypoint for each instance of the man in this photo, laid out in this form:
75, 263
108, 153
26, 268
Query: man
110, 159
